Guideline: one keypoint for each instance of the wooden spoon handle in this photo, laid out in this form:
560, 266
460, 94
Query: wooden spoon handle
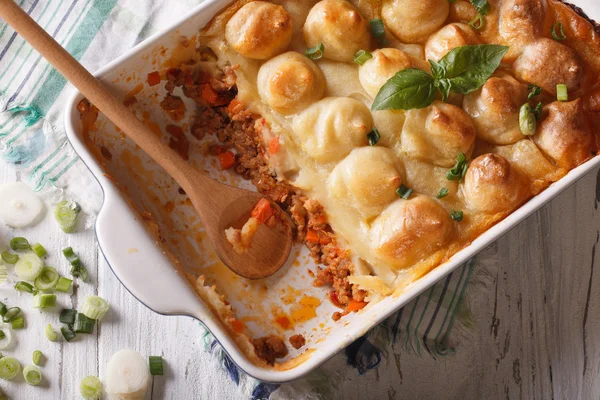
98, 94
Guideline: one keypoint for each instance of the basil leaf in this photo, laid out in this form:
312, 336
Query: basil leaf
408, 89
482, 6
467, 68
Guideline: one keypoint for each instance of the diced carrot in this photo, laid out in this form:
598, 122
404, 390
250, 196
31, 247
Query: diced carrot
312, 236
334, 299
209, 94
153, 78
237, 325
262, 211
274, 145
227, 160
355, 305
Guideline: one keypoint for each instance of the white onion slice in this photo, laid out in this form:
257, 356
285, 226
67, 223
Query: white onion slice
19, 205
127, 375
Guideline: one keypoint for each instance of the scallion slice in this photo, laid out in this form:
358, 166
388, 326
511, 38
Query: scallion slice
39, 250
37, 357
442, 193
156, 365
67, 316
3, 309
404, 192
90, 388
44, 300
534, 90
66, 214
527, 120
32, 375
94, 307
537, 111
560, 35
2, 335
11, 314
9, 258
457, 215
67, 333
378, 31
24, 287
362, 56
69, 253
63, 284
84, 324
50, 333
47, 279
459, 170
477, 22
29, 266
77, 268
373, 137
19, 243
562, 93
17, 323
315, 53
9, 368
3, 273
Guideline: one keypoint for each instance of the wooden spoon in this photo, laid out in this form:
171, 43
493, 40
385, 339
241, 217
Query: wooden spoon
219, 206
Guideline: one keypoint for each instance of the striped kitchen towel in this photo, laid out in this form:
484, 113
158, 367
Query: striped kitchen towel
32, 140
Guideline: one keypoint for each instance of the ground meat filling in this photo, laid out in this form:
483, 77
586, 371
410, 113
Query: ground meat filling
269, 348
297, 341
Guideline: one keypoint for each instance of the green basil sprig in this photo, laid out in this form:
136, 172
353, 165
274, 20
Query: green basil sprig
463, 70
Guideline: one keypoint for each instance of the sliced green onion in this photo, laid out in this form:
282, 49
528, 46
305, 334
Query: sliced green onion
24, 287
527, 120
442, 193
9, 368
69, 253
561, 92
19, 243
11, 313
32, 375
44, 300
37, 357
84, 324
50, 333
537, 111
39, 250
67, 333
3, 273
47, 279
9, 258
29, 266
17, 323
404, 192
373, 137
156, 365
94, 307
362, 56
67, 316
534, 90
477, 22
457, 215
2, 335
459, 170
3, 309
560, 35
90, 388
315, 53
378, 31
66, 214
63, 284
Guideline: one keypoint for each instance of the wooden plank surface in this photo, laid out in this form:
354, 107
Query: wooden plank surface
535, 322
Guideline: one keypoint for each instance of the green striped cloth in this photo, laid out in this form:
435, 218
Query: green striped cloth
32, 140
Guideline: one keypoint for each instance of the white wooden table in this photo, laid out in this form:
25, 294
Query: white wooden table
536, 326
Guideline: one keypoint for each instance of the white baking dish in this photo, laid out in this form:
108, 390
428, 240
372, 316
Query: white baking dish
142, 266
